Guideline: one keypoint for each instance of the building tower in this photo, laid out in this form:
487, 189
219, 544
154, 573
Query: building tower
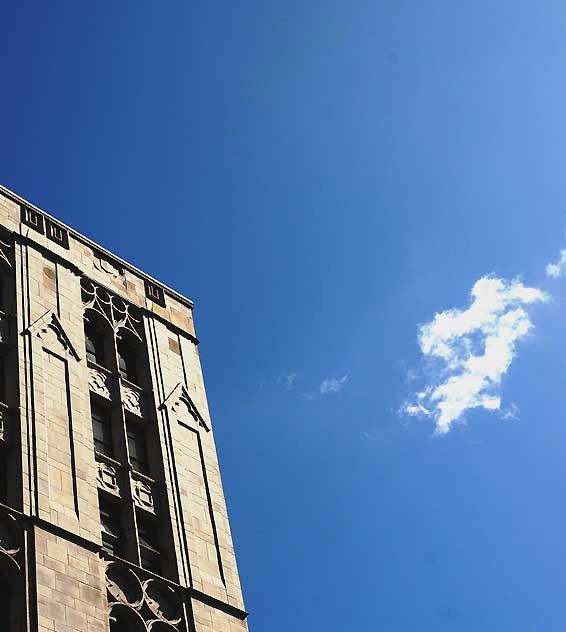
112, 515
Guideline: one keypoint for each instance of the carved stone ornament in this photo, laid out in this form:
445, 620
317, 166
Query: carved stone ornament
123, 586
182, 407
153, 606
114, 309
163, 602
132, 399
49, 327
143, 495
100, 382
107, 477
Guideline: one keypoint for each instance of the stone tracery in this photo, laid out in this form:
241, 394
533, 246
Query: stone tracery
114, 309
153, 605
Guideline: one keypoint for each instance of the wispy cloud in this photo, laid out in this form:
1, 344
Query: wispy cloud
327, 386
333, 384
556, 270
467, 352
287, 380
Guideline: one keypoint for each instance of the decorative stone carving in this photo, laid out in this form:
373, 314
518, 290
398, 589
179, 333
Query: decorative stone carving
181, 406
100, 381
132, 398
49, 326
143, 494
107, 476
113, 308
153, 606
123, 586
163, 602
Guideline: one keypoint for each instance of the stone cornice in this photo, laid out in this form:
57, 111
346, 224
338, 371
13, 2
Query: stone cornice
79, 237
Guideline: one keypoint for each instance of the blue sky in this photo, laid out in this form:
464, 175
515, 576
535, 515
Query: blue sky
321, 178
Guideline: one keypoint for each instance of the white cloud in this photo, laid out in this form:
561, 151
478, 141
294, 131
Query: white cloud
509, 414
556, 270
333, 384
287, 380
468, 351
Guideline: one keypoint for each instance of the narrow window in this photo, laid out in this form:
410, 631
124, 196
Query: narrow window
112, 538
101, 430
150, 551
137, 449
127, 362
94, 343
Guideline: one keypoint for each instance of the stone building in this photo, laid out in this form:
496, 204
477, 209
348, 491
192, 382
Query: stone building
112, 514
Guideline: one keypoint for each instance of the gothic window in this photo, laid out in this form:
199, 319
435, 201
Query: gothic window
101, 430
150, 551
127, 361
112, 536
137, 448
114, 340
94, 342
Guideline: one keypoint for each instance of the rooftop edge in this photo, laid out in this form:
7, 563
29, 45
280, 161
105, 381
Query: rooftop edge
80, 237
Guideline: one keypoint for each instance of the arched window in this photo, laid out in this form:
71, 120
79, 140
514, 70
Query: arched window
94, 341
127, 360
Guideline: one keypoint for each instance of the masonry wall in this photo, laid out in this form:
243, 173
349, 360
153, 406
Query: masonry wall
57, 569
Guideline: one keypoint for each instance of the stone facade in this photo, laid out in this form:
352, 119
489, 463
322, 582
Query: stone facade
112, 514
